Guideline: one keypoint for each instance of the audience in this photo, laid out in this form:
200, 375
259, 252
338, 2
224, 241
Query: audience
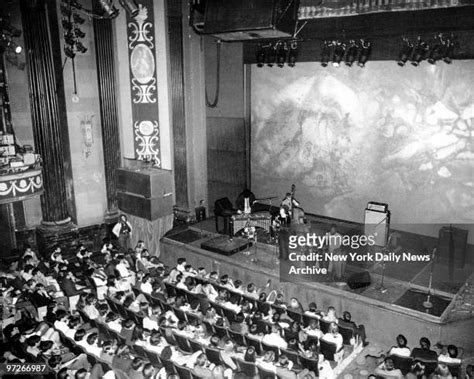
144, 308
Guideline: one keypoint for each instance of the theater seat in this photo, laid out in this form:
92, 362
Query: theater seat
224, 208
402, 363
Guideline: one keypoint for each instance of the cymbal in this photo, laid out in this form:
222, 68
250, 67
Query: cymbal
267, 198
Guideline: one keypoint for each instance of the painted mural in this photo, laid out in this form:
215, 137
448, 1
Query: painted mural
347, 136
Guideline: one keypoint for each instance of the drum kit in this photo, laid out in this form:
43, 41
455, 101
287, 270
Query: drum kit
286, 216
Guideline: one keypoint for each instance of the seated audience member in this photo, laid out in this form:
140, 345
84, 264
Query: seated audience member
358, 330
274, 338
89, 308
295, 306
424, 352
401, 349
267, 361
387, 370
68, 284
283, 370
449, 355
312, 329
334, 336
331, 315
417, 371
442, 372
227, 355
202, 368
83, 253
313, 311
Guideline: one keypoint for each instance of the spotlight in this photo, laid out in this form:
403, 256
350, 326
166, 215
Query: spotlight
67, 25
69, 52
78, 19
260, 54
282, 50
365, 49
130, 7
271, 55
109, 8
79, 33
69, 39
338, 53
80, 47
325, 53
351, 54
405, 52
293, 54
419, 52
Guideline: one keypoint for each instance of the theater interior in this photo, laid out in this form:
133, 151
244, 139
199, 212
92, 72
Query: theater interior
237, 189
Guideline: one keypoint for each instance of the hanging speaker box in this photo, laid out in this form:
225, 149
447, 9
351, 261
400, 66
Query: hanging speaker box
240, 20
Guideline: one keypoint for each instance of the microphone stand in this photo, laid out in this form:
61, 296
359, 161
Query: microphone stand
427, 303
382, 288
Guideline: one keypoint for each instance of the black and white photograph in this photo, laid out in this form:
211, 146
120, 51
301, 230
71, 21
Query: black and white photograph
237, 189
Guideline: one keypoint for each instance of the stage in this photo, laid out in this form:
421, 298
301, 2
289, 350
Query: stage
398, 309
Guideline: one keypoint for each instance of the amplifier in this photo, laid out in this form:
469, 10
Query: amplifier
377, 223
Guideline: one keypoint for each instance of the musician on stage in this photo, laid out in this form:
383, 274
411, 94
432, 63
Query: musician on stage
245, 201
289, 202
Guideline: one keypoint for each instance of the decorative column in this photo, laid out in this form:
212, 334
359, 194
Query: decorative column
175, 33
103, 37
48, 124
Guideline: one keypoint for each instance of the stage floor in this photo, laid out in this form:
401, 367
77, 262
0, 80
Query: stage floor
399, 278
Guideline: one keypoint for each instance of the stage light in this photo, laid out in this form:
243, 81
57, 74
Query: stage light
282, 51
351, 54
78, 19
69, 39
109, 9
365, 49
419, 52
260, 55
79, 33
80, 47
67, 25
325, 53
293, 54
338, 53
271, 54
130, 7
405, 52
69, 52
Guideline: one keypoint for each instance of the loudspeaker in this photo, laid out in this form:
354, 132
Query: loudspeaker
377, 222
238, 20
359, 280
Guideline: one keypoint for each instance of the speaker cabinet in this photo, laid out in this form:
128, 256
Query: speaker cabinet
376, 222
238, 20
146, 193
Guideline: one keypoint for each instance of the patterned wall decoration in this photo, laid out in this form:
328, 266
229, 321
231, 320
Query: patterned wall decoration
143, 83
20, 186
